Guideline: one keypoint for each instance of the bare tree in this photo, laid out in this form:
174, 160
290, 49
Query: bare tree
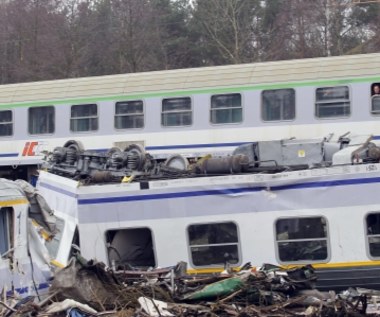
274, 31
31, 39
46, 39
73, 35
174, 47
227, 26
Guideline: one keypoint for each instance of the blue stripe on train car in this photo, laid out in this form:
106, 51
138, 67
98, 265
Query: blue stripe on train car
9, 155
341, 182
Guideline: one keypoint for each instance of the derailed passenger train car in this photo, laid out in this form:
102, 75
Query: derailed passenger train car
27, 228
315, 203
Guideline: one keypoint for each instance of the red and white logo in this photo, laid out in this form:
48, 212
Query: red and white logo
33, 148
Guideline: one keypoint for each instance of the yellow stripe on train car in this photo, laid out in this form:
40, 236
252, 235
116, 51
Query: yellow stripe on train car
337, 265
57, 264
9, 203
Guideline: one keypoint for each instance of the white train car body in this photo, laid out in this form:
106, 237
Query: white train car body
328, 217
191, 112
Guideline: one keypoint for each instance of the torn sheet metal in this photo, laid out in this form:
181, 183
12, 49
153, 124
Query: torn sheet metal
39, 209
25, 262
86, 282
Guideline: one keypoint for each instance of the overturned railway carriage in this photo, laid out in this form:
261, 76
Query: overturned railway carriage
315, 203
191, 112
25, 267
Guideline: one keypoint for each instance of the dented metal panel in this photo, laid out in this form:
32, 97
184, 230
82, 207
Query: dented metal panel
25, 261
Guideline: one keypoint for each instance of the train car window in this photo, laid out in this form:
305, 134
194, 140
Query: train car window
41, 120
176, 112
129, 114
302, 239
226, 109
375, 105
84, 118
6, 123
332, 102
373, 234
214, 244
6, 226
278, 105
129, 248
375, 100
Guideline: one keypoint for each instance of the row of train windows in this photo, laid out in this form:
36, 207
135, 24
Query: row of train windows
298, 239
277, 105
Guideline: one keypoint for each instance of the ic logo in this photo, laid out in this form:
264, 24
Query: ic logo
31, 148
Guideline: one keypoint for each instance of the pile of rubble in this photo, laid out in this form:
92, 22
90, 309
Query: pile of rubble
91, 289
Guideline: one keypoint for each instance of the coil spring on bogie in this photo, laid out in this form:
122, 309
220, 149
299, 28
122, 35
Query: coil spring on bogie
133, 160
71, 156
115, 160
57, 156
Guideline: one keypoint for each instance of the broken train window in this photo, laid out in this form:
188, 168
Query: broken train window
373, 234
128, 248
6, 230
214, 243
302, 239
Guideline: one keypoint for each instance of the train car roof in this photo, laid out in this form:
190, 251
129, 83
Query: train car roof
11, 193
203, 79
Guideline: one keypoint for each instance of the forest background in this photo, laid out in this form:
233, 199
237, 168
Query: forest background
54, 39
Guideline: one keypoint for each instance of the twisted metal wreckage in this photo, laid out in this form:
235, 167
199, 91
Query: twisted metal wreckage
91, 289
30, 247
26, 225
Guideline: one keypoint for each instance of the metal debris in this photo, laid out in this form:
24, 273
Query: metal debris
87, 288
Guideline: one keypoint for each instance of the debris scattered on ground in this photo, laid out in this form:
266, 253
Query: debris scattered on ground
87, 288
